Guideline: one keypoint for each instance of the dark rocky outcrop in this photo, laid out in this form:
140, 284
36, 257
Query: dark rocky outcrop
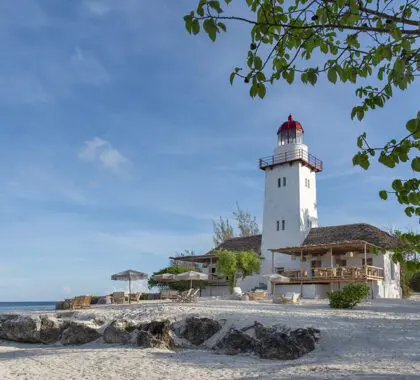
287, 346
155, 334
236, 342
119, 331
275, 342
77, 333
198, 330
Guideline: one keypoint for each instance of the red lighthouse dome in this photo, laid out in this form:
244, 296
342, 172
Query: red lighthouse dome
290, 124
290, 132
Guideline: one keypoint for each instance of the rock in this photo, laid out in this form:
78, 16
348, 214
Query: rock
119, 332
236, 342
77, 333
50, 330
245, 297
155, 334
286, 345
198, 330
30, 329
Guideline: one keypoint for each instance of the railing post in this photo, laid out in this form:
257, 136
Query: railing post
301, 273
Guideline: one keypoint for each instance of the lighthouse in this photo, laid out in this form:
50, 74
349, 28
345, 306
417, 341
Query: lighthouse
290, 205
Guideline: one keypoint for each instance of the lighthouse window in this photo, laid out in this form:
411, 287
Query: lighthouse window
278, 182
283, 225
278, 225
306, 182
284, 181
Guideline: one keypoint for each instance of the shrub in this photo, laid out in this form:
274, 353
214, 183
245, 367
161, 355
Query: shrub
415, 282
349, 296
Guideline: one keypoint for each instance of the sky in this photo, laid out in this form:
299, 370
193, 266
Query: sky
121, 140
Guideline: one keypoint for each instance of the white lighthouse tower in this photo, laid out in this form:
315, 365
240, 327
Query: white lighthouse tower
290, 206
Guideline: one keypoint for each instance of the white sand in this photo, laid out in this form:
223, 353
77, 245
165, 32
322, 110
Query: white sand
377, 340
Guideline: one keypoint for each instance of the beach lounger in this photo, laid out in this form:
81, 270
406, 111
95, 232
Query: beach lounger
119, 298
169, 294
188, 296
135, 297
287, 298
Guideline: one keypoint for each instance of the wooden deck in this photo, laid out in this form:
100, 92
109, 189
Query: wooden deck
332, 275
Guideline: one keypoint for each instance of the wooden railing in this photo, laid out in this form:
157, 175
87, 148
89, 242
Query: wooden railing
294, 155
340, 273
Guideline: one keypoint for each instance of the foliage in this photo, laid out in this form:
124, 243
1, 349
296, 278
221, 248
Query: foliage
405, 281
415, 282
178, 285
372, 43
349, 296
248, 263
223, 230
186, 264
94, 300
247, 224
236, 265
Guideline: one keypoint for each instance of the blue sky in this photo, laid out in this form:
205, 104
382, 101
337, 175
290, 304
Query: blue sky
122, 139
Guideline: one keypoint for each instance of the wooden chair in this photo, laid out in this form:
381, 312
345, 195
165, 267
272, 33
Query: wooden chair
288, 298
119, 298
135, 297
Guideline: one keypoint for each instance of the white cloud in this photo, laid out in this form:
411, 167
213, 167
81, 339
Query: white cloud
101, 151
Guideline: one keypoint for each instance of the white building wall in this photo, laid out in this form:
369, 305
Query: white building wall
294, 203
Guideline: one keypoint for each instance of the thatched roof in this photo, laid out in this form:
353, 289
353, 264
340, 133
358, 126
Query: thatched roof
345, 237
350, 232
244, 243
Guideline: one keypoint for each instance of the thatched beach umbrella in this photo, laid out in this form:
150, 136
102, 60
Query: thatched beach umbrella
164, 277
129, 275
191, 276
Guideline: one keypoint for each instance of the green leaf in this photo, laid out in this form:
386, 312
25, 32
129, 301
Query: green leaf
222, 26
383, 194
261, 90
211, 29
332, 75
415, 164
412, 125
232, 77
257, 63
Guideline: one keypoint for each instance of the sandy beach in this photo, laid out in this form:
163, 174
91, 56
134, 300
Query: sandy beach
377, 340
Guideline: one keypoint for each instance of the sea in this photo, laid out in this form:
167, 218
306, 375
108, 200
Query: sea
19, 307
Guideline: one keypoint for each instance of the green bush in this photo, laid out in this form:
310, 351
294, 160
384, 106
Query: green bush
349, 296
415, 282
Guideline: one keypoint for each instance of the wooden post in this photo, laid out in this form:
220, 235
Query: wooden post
301, 273
331, 263
365, 264
211, 273
272, 262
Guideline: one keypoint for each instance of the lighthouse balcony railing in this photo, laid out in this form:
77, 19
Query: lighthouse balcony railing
294, 155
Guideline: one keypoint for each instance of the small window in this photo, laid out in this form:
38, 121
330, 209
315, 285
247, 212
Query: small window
278, 226
283, 225
213, 270
284, 181
309, 223
369, 261
309, 184
279, 182
392, 270
280, 270
306, 182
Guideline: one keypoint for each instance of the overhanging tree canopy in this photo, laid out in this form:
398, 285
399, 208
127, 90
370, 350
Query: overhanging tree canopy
375, 43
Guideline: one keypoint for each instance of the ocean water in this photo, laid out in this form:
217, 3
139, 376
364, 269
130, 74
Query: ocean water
15, 307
